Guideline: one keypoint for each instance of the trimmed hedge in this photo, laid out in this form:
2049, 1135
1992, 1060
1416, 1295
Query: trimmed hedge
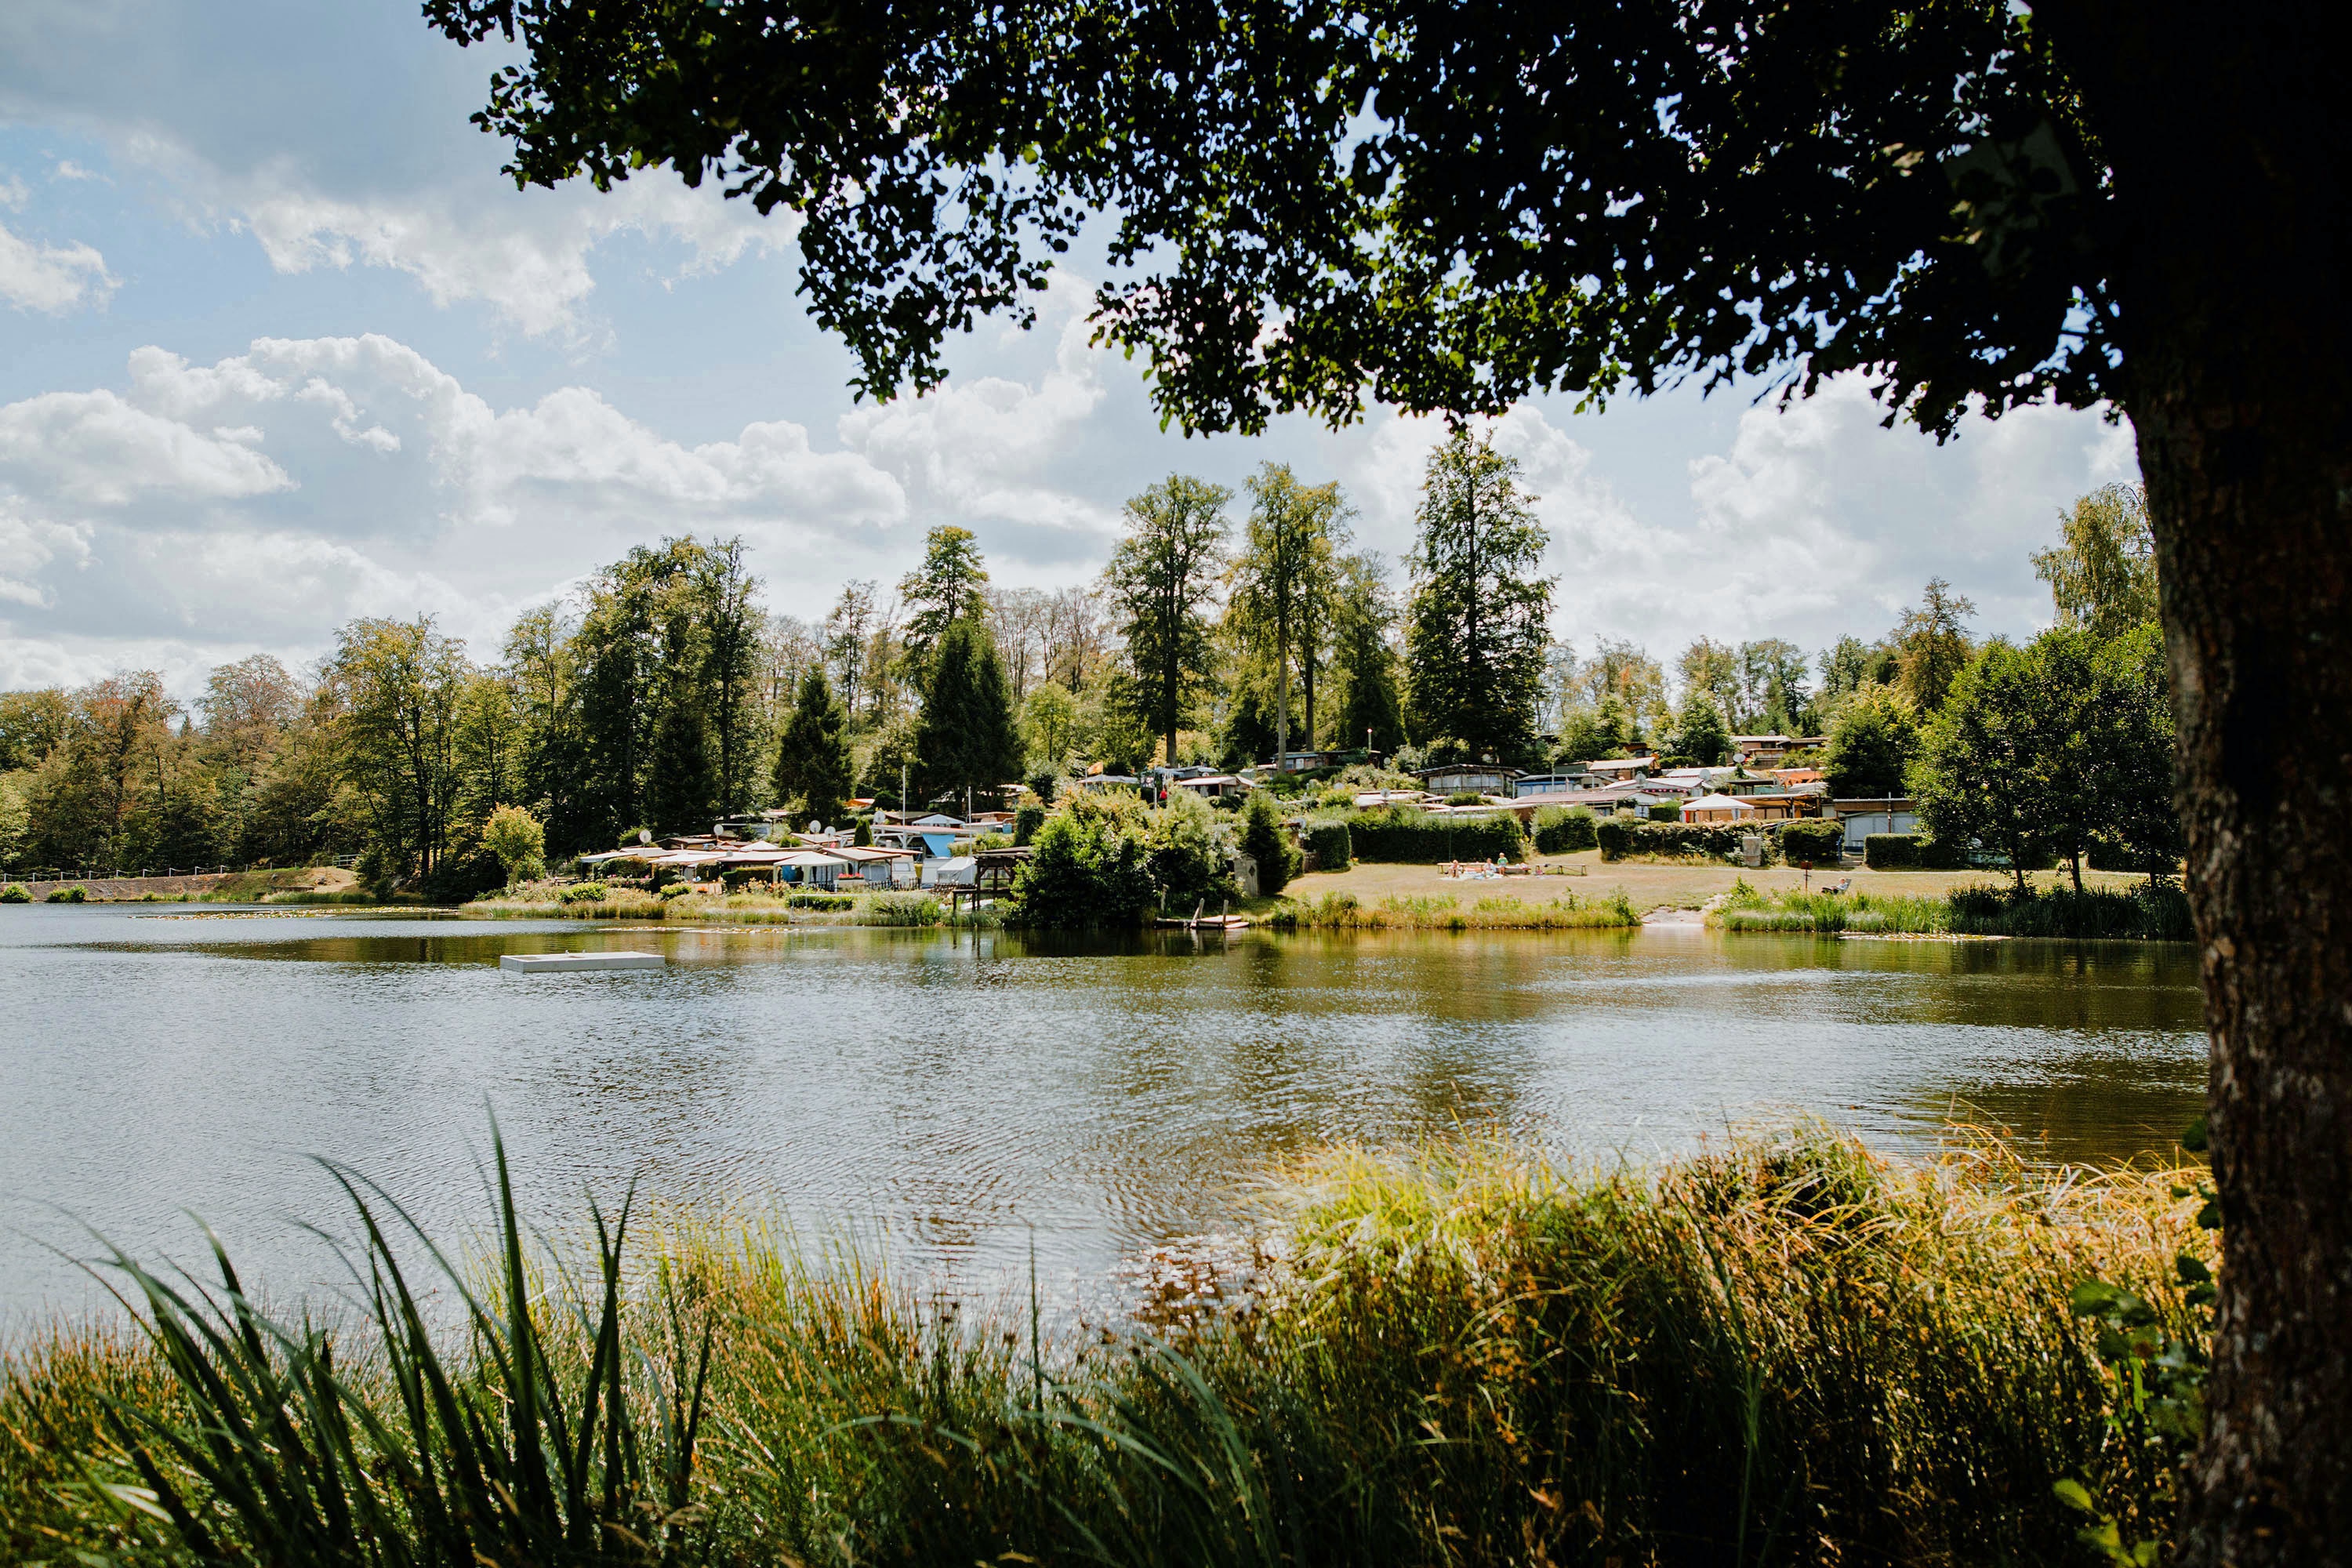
830, 903
1620, 836
1328, 842
1820, 840
1563, 830
1909, 852
1415, 837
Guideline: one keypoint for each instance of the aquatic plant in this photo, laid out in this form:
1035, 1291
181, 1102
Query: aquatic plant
2155, 912
1785, 1349
901, 908
1443, 912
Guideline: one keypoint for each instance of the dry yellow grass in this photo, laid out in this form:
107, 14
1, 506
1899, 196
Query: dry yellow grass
1659, 887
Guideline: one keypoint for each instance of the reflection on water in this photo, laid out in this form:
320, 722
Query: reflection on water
950, 1095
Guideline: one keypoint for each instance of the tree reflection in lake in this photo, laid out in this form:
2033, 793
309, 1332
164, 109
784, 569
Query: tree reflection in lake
944, 1093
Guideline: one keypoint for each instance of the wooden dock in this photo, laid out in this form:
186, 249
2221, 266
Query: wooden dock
1222, 921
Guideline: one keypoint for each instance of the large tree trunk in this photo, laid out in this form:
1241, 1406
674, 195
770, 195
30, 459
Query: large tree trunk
2251, 496
2231, 153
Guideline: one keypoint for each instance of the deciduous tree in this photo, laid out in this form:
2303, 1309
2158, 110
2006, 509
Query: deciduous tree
1872, 746
1283, 581
1700, 734
1932, 644
1163, 579
2102, 572
1971, 206
1364, 656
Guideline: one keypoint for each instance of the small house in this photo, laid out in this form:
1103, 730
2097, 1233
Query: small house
1863, 817
1718, 808
1468, 778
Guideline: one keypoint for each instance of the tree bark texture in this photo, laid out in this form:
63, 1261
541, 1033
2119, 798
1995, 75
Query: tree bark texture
2229, 144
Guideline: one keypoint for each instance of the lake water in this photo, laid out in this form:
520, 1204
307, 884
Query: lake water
948, 1098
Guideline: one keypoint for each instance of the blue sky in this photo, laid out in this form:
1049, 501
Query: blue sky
279, 346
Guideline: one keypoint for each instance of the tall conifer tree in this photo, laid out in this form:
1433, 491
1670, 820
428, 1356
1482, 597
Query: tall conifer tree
1476, 636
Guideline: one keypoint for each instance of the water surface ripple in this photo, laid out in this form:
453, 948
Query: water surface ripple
946, 1097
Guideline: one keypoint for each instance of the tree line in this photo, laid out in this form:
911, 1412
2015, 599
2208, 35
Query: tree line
1225, 629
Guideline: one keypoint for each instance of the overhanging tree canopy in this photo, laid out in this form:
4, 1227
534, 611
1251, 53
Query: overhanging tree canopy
1444, 206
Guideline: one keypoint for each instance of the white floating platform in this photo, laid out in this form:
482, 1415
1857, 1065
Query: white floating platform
554, 963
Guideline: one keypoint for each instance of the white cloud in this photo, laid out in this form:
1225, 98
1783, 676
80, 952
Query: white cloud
526, 254
990, 449
94, 447
1813, 521
27, 545
51, 279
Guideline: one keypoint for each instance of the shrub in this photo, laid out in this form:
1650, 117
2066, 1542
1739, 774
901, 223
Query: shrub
1465, 797
901, 909
1563, 830
1187, 864
1027, 820
1328, 842
1091, 866
516, 839
1263, 841
590, 893
1667, 811
2151, 912
15, 893
1622, 836
828, 902
1909, 852
988, 841
1403, 835
68, 896
1820, 840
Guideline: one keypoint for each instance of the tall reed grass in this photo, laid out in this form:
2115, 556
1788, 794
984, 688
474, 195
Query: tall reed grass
1786, 1351
1442, 912
2150, 912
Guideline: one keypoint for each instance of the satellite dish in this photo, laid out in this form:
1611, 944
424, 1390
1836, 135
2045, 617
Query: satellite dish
815, 826
644, 835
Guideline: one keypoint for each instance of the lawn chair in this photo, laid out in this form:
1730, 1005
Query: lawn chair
1839, 886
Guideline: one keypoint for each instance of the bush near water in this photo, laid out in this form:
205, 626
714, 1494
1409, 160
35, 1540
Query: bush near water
1787, 1350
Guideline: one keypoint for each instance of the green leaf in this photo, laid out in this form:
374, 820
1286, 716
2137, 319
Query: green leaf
2075, 1495
2191, 1272
2093, 1297
2210, 1217
2194, 1137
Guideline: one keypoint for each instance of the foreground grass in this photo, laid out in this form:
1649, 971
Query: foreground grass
1789, 1351
2153, 913
1445, 912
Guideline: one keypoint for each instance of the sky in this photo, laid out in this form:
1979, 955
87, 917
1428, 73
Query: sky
280, 347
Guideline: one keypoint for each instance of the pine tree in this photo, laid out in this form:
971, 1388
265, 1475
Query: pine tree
812, 764
1477, 634
966, 738
945, 589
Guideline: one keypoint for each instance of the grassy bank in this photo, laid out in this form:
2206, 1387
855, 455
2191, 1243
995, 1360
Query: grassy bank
2144, 913
1445, 912
1787, 1350
602, 903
